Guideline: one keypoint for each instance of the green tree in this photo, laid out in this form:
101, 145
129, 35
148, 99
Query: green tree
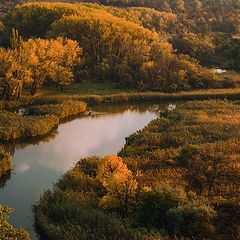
156, 203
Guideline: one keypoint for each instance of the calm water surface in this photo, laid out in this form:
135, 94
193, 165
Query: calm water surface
39, 163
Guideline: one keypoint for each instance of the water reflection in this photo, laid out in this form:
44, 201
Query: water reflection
4, 179
40, 162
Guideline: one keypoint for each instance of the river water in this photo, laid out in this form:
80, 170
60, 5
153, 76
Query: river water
38, 163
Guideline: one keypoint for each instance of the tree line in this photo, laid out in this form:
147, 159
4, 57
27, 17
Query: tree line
113, 48
201, 24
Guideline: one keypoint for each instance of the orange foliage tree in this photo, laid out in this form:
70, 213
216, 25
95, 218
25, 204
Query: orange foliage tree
120, 183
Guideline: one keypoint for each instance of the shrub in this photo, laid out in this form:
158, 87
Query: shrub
156, 203
62, 110
5, 162
7, 231
62, 217
191, 221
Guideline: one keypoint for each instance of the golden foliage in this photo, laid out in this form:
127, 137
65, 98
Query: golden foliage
119, 182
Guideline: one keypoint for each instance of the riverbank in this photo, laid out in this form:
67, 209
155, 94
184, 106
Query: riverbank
109, 93
7, 231
112, 95
33, 121
36, 120
47, 158
183, 165
5, 162
46, 110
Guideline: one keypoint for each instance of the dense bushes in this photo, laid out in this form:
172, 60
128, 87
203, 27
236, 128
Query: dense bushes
191, 221
7, 231
89, 194
5, 162
197, 147
75, 212
156, 204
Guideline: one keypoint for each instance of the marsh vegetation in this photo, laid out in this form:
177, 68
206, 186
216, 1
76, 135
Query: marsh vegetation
178, 177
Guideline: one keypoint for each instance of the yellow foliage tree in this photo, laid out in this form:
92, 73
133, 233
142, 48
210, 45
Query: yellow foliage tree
53, 59
119, 182
13, 73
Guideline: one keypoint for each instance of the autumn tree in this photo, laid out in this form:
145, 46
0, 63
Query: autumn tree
119, 182
197, 47
33, 62
14, 73
108, 40
53, 59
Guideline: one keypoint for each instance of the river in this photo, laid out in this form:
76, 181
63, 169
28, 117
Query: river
38, 163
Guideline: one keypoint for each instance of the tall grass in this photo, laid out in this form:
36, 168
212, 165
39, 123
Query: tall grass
62, 110
42, 120
105, 98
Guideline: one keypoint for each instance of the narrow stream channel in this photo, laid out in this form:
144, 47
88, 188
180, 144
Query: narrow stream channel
38, 164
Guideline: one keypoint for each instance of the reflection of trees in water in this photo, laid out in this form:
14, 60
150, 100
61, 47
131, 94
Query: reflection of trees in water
110, 109
4, 179
137, 107
11, 147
